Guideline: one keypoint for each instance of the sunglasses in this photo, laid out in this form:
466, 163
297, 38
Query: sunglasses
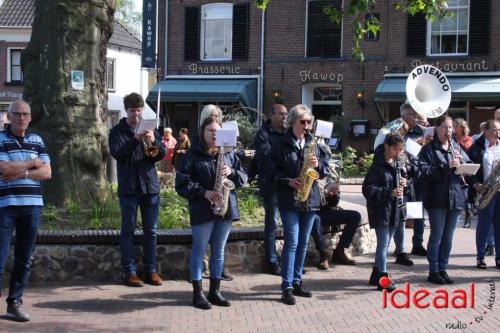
305, 121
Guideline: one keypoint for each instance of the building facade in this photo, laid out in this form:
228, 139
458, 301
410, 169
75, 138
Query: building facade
293, 53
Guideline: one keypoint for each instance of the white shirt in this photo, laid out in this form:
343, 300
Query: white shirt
490, 158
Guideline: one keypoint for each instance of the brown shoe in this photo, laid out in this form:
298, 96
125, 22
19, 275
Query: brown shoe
153, 279
323, 261
133, 280
339, 257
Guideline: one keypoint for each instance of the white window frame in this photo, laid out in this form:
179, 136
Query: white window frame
9, 65
429, 34
202, 31
113, 89
306, 31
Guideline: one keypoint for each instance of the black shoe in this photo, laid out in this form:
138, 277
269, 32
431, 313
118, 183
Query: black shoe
374, 277
404, 259
436, 278
490, 250
287, 297
390, 288
274, 268
214, 295
298, 290
419, 250
15, 311
199, 299
446, 277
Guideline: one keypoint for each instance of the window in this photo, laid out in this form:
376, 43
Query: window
15, 73
450, 36
324, 37
216, 32
110, 74
327, 102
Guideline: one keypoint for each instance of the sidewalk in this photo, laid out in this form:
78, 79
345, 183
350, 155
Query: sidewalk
342, 301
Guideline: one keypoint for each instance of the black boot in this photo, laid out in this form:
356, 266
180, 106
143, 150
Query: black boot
199, 299
298, 290
390, 288
436, 278
404, 259
374, 277
287, 297
214, 295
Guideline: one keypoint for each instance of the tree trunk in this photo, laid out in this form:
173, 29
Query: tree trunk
70, 35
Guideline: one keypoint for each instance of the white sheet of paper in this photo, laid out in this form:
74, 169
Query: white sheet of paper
412, 147
414, 210
323, 129
467, 169
225, 138
146, 124
231, 125
429, 131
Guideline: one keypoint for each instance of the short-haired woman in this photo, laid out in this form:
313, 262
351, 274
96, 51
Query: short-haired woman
195, 181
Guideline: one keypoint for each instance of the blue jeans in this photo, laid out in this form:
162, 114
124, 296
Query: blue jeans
491, 237
384, 235
297, 228
215, 233
443, 223
270, 225
486, 217
399, 237
24, 220
149, 205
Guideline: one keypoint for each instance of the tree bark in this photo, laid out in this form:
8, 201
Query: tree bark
70, 35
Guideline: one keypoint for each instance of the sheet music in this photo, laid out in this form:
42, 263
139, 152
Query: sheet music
146, 124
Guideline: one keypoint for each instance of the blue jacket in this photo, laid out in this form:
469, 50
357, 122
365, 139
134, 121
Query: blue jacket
136, 172
442, 188
263, 143
476, 154
196, 174
288, 160
377, 188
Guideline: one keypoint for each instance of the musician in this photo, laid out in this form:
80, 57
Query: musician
444, 197
270, 133
289, 157
415, 132
195, 181
486, 152
138, 187
382, 188
24, 163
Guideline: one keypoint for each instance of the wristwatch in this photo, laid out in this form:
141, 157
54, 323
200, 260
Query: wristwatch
26, 174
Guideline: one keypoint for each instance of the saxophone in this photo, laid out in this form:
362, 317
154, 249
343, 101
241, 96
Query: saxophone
493, 186
222, 186
307, 174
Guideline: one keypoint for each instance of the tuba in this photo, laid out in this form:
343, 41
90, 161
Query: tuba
492, 184
223, 187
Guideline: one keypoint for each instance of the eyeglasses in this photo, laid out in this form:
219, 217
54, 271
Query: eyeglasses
20, 114
305, 121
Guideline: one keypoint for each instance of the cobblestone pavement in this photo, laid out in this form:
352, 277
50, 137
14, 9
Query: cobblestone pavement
342, 302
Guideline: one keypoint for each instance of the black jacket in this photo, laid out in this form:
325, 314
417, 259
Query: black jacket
476, 154
442, 188
264, 140
196, 174
136, 172
378, 185
288, 160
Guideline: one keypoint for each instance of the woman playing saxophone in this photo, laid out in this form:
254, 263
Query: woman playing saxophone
293, 154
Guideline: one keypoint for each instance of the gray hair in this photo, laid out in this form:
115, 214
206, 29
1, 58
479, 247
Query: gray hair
14, 105
297, 111
405, 109
207, 111
167, 130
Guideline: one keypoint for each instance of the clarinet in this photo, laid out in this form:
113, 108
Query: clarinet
399, 200
463, 183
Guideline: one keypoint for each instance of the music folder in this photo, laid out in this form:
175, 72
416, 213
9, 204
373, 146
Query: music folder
467, 169
225, 138
146, 124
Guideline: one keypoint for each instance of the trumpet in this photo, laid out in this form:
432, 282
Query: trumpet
150, 149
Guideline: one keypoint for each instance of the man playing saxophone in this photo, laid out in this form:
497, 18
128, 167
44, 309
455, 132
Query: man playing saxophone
204, 178
295, 152
486, 152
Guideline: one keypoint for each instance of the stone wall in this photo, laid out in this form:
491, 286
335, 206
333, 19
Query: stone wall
80, 262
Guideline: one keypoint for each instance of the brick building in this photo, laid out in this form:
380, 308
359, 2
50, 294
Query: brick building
214, 51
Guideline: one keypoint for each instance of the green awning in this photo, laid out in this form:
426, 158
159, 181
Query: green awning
237, 91
470, 88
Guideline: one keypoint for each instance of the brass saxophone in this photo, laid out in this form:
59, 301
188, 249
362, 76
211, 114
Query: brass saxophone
223, 187
307, 174
492, 184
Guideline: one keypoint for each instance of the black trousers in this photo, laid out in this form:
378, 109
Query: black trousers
335, 217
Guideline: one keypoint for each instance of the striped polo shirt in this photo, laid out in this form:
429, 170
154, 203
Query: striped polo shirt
21, 192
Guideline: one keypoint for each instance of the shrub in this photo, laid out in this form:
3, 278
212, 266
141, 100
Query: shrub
355, 163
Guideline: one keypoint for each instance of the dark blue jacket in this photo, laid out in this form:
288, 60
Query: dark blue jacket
442, 188
263, 143
476, 154
196, 174
378, 185
136, 172
288, 160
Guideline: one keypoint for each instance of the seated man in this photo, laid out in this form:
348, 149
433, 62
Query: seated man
331, 215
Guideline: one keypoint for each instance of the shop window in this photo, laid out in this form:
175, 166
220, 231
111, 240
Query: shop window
323, 37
